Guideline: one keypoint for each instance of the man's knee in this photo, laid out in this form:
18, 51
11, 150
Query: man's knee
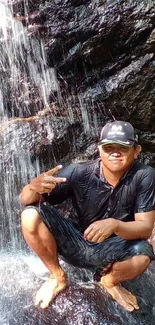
30, 219
140, 262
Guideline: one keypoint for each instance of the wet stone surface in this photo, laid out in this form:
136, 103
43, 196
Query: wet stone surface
82, 303
102, 58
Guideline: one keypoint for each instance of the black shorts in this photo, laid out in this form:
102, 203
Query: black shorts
74, 249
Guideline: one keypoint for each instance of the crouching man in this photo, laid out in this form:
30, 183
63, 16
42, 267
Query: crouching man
113, 201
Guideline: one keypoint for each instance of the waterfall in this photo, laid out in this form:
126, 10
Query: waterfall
25, 86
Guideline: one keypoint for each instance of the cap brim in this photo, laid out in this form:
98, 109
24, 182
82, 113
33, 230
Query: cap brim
123, 143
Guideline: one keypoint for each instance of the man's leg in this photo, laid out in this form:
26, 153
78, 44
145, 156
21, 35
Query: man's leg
39, 238
123, 271
80, 252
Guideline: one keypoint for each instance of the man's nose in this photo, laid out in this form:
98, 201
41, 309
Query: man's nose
116, 152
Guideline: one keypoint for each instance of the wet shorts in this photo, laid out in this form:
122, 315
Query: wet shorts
74, 249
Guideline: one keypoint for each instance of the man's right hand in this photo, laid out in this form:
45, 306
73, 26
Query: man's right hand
46, 182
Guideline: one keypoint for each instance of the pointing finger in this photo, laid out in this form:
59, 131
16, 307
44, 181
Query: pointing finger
55, 179
60, 179
54, 170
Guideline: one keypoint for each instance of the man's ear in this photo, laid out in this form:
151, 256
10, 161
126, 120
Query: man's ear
138, 149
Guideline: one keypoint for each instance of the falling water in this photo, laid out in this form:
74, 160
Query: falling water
25, 86
24, 80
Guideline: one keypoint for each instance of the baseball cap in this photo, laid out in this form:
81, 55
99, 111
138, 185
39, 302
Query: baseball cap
118, 132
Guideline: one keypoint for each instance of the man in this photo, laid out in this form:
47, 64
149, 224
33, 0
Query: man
113, 202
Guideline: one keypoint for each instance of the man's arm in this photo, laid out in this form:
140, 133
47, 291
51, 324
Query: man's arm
44, 183
29, 196
144, 215
144, 209
140, 228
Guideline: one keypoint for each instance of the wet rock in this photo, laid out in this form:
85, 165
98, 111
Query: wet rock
47, 137
82, 303
103, 55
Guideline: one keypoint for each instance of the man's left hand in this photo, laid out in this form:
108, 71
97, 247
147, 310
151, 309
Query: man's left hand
98, 231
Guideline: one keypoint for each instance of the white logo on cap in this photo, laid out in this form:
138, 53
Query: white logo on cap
116, 129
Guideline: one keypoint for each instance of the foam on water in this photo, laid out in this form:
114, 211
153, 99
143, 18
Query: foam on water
83, 302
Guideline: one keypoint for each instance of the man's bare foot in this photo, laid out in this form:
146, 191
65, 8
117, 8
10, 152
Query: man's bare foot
122, 296
49, 290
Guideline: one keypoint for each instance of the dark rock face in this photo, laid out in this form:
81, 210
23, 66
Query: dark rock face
103, 55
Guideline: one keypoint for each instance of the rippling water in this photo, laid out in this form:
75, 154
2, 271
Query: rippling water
82, 303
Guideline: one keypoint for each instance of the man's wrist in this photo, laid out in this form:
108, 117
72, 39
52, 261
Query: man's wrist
116, 225
32, 188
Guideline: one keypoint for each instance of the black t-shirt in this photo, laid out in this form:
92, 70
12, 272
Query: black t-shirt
93, 198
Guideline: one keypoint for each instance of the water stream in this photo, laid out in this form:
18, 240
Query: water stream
26, 84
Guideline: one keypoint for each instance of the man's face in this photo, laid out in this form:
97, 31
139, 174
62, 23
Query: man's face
116, 157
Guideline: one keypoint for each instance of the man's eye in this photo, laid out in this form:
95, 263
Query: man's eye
124, 148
